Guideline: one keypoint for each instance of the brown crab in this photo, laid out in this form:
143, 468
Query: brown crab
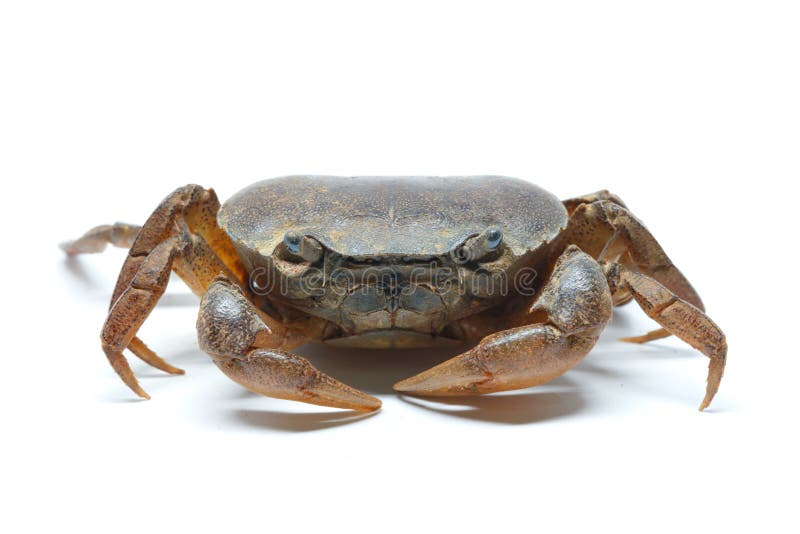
386, 262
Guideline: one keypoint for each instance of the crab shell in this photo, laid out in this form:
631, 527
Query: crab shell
390, 222
379, 216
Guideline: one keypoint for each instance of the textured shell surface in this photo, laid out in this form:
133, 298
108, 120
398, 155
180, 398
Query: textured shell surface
388, 215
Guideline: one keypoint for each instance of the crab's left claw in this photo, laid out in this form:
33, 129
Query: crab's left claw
283, 375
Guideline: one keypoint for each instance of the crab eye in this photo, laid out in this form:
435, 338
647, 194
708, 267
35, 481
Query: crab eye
303, 246
293, 240
479, 246
493, 238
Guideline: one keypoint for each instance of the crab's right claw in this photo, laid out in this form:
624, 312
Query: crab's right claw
283, 375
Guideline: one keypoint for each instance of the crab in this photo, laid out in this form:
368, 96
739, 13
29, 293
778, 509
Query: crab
525, 282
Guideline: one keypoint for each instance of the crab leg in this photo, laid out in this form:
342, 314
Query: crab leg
96, 239
568, 317
603, 227
244, 347
130, 310
678, 317
604, 194
180, 235
191, 258
119, 235
607, 231
144, 353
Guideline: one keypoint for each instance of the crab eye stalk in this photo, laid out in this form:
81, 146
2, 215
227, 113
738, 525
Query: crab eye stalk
303, 246
479, 246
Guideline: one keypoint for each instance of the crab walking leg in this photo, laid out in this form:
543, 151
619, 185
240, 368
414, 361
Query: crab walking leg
187, 210
678, 317
145, 353
604, 194
188, 255
234, 333
95, 240
180, 235
119, 235
607, 231
574, 307
130, 310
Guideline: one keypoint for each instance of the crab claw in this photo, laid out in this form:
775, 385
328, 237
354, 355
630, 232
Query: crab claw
280, 374
460, 375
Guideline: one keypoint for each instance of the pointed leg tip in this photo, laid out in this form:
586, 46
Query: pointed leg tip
132, 383
143, 352
169, 369
142, 394
123, 370
710, 394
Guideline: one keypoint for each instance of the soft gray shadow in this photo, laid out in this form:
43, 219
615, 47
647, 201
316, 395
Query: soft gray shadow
513, 409
190, 355
621, 319
609, 348
728, 407
155, 373
588, 367
78, 272
664, 349
124, 397
178, 299
623, 324
374, 371
298, 422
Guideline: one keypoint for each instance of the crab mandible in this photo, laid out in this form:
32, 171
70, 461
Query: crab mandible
386, 262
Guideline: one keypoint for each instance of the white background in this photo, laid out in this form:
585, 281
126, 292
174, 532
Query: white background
688, 110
